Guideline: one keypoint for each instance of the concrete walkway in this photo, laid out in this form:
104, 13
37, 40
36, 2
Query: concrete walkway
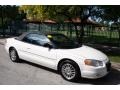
116, 66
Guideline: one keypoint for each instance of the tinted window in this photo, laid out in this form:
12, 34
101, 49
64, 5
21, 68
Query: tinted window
61, 41
37, 39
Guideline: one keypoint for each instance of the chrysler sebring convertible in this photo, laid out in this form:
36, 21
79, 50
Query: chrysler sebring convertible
58, 52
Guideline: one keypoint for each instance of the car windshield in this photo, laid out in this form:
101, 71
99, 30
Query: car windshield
62, 42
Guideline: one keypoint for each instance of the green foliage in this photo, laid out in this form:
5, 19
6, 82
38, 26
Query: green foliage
34, 12
111, 13
10, 13
59, 13
63, 12
68, 12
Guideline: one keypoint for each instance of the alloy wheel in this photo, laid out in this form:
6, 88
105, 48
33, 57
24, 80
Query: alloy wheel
68, 71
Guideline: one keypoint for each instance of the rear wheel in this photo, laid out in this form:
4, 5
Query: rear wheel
69, 70
14, 55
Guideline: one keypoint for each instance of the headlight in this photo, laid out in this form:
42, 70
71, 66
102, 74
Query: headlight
94, 63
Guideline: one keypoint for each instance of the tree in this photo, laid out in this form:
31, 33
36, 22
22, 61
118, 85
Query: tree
62, 13
8, 14
111, 14
34, 12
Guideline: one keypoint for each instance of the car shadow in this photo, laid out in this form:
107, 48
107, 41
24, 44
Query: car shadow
113, 78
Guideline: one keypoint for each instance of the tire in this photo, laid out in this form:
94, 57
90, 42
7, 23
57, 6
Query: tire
69, 70
14, 55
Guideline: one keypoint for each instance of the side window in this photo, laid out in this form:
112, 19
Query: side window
27, 39
36, 39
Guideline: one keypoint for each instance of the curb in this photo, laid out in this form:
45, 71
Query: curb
116, 65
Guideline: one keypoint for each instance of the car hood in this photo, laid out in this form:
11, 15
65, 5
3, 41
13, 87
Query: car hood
87, 53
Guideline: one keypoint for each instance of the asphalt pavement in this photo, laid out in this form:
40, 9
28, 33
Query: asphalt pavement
27, 73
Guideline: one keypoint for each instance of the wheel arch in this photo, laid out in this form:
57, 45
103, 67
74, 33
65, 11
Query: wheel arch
64, 59
10, 48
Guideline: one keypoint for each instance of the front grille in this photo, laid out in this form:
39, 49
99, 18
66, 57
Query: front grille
108, 66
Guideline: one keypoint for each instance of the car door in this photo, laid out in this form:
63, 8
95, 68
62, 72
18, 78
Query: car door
36, 52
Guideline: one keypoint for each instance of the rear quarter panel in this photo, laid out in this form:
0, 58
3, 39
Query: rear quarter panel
9, 43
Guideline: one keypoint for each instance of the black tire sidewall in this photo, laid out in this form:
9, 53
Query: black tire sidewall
17, 57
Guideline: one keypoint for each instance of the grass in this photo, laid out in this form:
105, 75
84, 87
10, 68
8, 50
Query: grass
113, 55
114, 58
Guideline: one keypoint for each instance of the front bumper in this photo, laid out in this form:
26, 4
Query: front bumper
94, 73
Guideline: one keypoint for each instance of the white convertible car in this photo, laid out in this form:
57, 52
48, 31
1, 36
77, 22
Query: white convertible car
58, 52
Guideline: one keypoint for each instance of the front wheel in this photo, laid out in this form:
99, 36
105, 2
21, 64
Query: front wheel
69, 70
14, 55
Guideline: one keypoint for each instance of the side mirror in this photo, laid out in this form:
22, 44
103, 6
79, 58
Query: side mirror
48, 45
